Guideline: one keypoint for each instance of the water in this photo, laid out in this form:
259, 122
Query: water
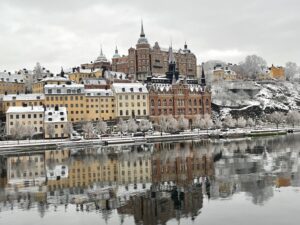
195, 182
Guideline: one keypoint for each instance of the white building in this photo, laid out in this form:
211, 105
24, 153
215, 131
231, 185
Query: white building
56, 120
132, 100
24, 117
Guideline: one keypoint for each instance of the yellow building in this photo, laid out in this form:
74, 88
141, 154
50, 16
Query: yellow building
11, 83
71, 96
277, 72
100, 104
223, 73
55, 122
30, 116
79, 74
132, 100
22, 100
38, 87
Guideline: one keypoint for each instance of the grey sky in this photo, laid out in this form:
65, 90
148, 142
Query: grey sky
66, 33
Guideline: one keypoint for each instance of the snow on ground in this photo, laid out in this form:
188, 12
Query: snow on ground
268, 96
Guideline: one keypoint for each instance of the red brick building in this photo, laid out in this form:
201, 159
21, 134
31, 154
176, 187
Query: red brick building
172, 95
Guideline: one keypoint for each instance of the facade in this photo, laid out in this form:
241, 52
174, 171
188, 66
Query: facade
38, 87
144, 60
131, 100
56, 120
120, 63
11, 83
100, 104
71, 96
172, 95
22, 100
277, 73
223, 73
25, 116
79, 74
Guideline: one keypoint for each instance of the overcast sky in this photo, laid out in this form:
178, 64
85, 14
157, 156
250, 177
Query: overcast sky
67, 33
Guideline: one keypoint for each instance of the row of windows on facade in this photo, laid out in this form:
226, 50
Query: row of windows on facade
87, 111
69, 91
180, 102
132, 104
36, 129
26, 116
133, 112
30, 174
179, 111
25, 103
75, 98
129, 172
138, 97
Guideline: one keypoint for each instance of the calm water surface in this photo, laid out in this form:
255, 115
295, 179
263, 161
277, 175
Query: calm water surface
196, 182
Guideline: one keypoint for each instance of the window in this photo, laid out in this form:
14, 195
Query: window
11, 116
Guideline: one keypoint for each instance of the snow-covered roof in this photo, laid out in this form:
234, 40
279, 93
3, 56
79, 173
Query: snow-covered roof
94, 81
55, 78
22, 97
129, 88
27, 109
64, 88
98, 92
54, 115
115, 75
6, 77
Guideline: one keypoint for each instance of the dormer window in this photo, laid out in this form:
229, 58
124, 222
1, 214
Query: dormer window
140, 89
50, 113
123, 89
49, 91
61, 113
49, 119
131, 89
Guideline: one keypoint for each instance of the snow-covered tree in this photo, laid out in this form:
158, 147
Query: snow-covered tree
218, 124
30, 131
132, 126
145, 125
197, 122
252, 66
88, 130
122, 126
183, 123
172, 124
207, 122
101, 127
50, 129
293, 118
277, 118
18, 131
241, 122
250, 122
68, 129
229, 121
291, 69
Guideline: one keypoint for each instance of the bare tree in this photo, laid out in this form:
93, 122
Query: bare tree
207, 122
291, 69
218, 124
132, 126
88, 129
197, 122
241, 122
145, 125
68, 129
163, 123
101, 127
229, 121
277, 118
50, 130
293, 117
252, 66
18, 131
172, 124
183, 123
122, 125
30, 131
250, 122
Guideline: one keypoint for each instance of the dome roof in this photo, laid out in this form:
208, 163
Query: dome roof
101, 57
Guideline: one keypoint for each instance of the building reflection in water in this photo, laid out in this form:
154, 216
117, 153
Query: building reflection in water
154, 183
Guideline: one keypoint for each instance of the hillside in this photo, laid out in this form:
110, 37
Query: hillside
254, 99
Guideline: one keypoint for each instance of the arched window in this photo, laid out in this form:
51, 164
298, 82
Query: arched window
170, 102
200, 102
159, 103
207, 102
165, 102
195, 102
152, 102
